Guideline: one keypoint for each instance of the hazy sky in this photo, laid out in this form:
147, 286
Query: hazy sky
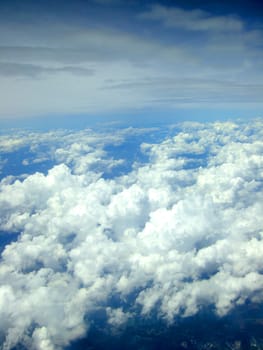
109, 57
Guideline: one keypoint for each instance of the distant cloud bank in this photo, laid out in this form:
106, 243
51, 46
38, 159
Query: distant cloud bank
105, 57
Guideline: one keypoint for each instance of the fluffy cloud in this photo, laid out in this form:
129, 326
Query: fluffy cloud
82, 150
176, 234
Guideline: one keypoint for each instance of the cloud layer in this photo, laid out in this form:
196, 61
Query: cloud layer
179, 233
78, 59
193, 20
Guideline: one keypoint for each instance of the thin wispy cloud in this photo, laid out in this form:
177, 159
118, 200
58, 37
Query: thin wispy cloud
78, 54
193, 20
34, 71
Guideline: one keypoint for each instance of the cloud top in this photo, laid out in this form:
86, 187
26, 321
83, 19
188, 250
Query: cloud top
174, 235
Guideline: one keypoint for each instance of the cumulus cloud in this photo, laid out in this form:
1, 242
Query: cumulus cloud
172, 236
82, 150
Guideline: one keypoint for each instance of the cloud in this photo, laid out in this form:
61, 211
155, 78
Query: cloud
83, 150
99, 65
32, 70
116, 317
186, 91
174, 235
80, 44
192, 20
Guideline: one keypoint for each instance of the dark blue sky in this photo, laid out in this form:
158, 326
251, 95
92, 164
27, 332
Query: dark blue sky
194, 59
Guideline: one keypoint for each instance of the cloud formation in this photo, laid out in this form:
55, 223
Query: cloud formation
32, 70
193, 20
193, 58
179, 233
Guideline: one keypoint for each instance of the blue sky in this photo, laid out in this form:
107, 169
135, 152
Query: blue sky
84, 61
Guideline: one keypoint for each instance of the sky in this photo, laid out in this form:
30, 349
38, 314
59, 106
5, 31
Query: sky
110, 59
131, 179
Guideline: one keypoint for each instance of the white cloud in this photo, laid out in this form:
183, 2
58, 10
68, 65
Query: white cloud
174, 235
82, 150
116, 317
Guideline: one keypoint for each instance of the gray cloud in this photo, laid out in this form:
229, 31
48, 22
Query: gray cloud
83, 44
156, 59
32, 70
165, 90
176, 234
193, 20
49, 54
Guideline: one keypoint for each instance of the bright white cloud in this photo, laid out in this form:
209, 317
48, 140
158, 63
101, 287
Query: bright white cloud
181, 232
